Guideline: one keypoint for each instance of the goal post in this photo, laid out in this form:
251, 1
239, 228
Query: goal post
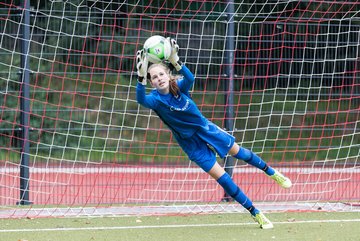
282, 76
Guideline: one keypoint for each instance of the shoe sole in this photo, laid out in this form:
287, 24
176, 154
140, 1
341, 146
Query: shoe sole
287, 185
268, 226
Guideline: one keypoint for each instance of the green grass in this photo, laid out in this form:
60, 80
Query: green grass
315, 226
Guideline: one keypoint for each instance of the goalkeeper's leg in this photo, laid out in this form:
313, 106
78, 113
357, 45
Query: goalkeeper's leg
254, 160
224, 179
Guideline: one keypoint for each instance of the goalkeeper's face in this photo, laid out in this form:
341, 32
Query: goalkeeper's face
160, 78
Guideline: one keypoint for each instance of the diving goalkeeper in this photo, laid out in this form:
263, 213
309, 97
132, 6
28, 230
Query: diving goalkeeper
171, 101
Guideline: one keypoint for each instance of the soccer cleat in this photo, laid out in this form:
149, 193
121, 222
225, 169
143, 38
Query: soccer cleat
263, 221
281, 180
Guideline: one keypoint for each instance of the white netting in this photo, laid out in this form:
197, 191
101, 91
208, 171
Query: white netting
294, 99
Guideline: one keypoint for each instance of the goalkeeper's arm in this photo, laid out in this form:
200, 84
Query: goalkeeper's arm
142, 67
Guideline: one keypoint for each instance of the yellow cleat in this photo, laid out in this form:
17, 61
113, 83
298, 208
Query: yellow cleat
263, 221
281, 180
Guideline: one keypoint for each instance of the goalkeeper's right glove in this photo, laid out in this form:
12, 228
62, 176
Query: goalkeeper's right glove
142, 66
174, 57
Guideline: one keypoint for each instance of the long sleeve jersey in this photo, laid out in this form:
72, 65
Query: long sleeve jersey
180, 113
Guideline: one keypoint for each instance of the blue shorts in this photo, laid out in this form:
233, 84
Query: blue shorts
197, 147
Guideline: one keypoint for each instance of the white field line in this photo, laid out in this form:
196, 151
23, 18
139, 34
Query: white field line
237, 169
172, 226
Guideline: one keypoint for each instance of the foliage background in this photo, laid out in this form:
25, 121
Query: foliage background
296, 80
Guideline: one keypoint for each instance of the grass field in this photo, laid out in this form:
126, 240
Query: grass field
317, 226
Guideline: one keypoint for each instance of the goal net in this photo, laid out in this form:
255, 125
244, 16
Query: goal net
283, 77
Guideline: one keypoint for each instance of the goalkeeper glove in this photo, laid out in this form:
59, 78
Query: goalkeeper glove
174, 57
142, 66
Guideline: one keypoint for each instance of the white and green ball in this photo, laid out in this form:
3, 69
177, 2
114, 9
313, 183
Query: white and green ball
157, 49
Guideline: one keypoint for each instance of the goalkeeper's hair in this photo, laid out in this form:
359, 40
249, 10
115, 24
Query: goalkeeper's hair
173, 87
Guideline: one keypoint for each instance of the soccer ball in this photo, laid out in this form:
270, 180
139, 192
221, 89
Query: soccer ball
157, 49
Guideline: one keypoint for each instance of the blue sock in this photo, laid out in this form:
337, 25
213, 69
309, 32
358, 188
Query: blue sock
235, 192
253, 159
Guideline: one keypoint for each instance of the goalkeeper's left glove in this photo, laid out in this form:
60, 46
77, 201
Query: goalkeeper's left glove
174, 57
142, 66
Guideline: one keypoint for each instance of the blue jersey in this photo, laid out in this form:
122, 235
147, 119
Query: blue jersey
180, 114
